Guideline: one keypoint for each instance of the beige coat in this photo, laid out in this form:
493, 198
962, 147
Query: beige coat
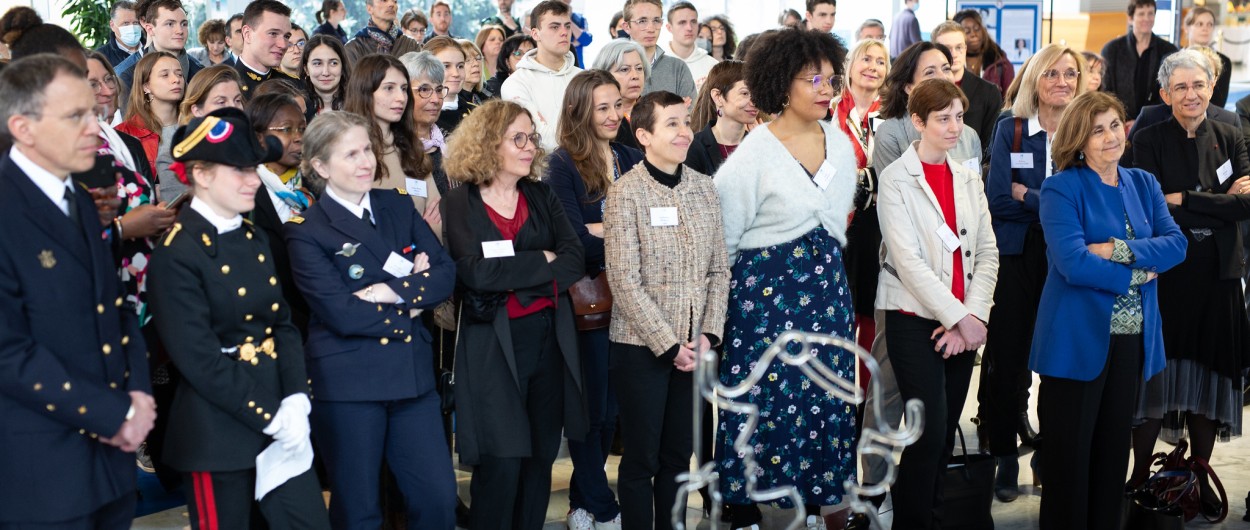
916, 267
396, 179
663, 277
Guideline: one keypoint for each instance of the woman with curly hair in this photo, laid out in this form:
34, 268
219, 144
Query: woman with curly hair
786, 193
518, 371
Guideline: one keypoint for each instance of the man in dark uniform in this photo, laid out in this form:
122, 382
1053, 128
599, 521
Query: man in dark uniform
266, 28
74, 389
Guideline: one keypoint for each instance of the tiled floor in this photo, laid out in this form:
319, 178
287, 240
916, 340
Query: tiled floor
1231, 461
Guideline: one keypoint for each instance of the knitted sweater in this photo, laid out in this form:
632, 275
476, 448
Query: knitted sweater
768, 198
671, 74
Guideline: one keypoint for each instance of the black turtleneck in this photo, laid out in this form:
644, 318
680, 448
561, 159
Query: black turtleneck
664, 178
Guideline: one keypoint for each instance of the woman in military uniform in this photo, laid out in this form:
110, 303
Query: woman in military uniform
228, 331
368, 264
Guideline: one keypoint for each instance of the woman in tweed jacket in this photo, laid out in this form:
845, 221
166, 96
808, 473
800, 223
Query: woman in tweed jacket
669, 275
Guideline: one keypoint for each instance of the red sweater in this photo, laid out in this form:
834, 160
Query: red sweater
942, 181
509, 228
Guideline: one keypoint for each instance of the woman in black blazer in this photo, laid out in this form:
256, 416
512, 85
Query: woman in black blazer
580, 173
222, 318
368, 265
518, 374
1202, 166
724, 104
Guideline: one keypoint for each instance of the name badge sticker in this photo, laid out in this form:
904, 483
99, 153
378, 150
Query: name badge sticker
1021, 160
1225, 170
825, 175
397, 266
666, 216
498, 249
949, 240
416, 187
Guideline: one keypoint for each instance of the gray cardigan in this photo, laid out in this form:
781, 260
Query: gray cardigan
895, 135
671, 74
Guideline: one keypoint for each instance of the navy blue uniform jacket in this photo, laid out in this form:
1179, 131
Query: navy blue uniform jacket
69, 353
358, 351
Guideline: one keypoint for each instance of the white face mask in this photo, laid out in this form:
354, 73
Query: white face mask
703, 44
130, 35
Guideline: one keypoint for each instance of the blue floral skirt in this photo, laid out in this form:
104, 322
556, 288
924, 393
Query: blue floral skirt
806, 437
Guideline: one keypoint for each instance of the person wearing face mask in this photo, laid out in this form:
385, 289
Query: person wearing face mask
683, 24
669, 307
1202, 166
244, 389
165, 24
787, 192
381, 34
1098, 336
1133, 60
1020, 161
581, 172
125, 33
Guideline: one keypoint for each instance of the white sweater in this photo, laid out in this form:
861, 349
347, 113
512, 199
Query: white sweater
767, 198
541, 91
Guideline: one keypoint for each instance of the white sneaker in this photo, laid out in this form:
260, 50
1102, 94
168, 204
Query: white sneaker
614, 524
815, 522
580, 519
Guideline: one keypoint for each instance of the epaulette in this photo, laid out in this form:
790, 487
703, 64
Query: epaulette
172, 232
296, 219
402, 191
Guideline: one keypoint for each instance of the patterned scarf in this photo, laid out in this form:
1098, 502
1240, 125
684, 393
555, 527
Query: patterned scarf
384, 39
860, 133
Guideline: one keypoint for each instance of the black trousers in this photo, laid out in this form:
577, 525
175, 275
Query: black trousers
512, 493
116, 515
1005, 378
224, 500
942, 385
657, 426
1088, 428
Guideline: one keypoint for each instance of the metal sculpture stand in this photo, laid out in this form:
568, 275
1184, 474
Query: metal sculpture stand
871, 441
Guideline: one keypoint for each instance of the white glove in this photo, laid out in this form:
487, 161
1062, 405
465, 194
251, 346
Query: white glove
290, 424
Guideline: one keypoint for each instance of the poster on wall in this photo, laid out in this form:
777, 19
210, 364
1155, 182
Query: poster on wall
1016, 26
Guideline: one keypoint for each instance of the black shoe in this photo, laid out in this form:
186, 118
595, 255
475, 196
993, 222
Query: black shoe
983, 435
462, 513
1025, 430
1006, 480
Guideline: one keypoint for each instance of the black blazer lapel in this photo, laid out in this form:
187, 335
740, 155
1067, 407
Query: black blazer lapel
1210, 158
47, 217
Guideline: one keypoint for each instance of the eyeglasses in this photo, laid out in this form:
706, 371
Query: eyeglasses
299, 44
520, 140
717, 29
1053, 75
1182, 89
425, 91
518, 53
289, 130
644, 22
109, 81
834, 81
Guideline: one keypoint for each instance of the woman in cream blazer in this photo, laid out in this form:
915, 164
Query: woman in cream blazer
936, 286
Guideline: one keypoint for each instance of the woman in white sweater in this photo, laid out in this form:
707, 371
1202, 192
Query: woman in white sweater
936, 287
786, 194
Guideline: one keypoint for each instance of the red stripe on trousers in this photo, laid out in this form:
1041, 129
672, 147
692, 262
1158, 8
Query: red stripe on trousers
208, 502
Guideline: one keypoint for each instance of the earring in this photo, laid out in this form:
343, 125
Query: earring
786, 104
1080, 155
719, 114
147, 97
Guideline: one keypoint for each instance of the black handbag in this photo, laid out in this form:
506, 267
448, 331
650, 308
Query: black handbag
967, 491
480, 307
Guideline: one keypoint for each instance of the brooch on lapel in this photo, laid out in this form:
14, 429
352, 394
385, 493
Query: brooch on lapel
47, 259
349, 250
356, 272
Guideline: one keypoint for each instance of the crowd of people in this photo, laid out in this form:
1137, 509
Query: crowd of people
282, 263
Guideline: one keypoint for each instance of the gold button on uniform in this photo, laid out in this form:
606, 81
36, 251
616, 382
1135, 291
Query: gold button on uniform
66, 387
242, 291
82, 410
125, 340
225, 269
251, 404
51, 407
267, 416
247, 318
385, 341
260, 410
274, 307
99, 308
118, 302
261, 258
112, 385
106, 349
273, 281
38, 387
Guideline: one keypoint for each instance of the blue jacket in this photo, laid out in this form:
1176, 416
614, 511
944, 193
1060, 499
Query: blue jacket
70, 350
564, 179
1073, 330
1012, 218
358, 351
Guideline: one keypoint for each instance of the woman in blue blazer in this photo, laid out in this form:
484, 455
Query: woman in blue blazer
1098, 335
368, 265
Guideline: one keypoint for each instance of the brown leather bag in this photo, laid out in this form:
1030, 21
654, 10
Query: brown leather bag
592, 302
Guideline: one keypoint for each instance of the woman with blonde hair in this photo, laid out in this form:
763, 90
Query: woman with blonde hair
474, 79
490, 40
1020, 161
518, 372
213, 88
1200, 23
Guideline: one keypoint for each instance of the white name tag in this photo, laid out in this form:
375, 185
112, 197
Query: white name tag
416, 187
1021, 160
825, 175
973, 165
949, 239
397, 266
1225, 171
498, 249
664, 216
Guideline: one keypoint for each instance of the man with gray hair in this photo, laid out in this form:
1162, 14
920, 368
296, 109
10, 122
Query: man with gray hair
73, 366
125, 33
